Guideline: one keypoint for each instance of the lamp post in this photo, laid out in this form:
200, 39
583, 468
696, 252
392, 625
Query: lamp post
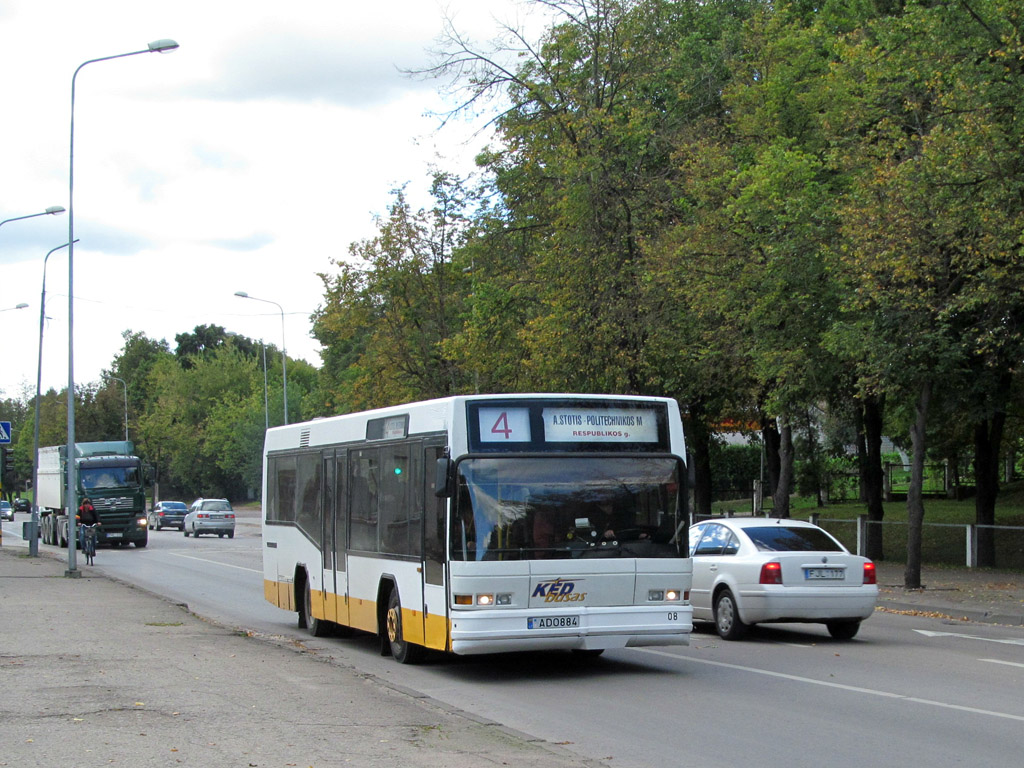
53, 210
23, 305
125, 385
33, 542
284, 356
158, 46
266, 402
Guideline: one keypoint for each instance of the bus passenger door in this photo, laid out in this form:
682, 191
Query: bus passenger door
435, 596
335, 539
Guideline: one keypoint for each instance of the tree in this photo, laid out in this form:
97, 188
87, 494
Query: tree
387, 318
931, 132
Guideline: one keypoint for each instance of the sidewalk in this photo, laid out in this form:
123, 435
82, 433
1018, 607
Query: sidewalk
994, 597
94, 672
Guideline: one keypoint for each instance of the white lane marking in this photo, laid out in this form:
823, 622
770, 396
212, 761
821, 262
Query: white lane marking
839, 686
1000, 661
214, 562
1008, 641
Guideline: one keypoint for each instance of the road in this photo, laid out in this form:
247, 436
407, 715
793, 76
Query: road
910, 690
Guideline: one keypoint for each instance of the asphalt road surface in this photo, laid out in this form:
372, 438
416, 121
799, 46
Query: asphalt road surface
909, 690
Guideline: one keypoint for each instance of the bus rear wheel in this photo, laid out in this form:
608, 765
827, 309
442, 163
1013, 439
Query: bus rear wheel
403, 651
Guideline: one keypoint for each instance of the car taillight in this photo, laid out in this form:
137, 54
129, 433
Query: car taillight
230, 517
202, 515
771, 573
870, 577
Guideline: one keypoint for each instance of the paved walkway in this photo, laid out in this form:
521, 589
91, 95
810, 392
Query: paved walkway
94, 672
971, 595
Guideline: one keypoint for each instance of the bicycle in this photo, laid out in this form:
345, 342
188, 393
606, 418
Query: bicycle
89, 543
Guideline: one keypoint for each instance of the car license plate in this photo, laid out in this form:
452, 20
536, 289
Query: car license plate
812, 574
113, 535
553, 622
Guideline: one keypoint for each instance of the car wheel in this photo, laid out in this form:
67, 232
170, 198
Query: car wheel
403, 651
843, 630
231, 534
727, 617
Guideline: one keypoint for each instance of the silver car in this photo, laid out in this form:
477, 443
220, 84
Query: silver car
755, 570
210, 516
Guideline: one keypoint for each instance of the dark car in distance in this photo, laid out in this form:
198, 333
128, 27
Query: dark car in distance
168, 514
22, 505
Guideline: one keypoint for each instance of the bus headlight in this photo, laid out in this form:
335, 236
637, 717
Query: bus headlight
664, 595
143, 522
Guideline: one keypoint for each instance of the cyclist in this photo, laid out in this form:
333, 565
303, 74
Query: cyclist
86, 516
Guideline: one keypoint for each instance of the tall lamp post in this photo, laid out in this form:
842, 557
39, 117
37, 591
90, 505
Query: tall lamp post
158, 46
284, 355
51, 211
33, 542
23, 305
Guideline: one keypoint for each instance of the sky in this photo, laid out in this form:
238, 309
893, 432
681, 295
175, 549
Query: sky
247, 160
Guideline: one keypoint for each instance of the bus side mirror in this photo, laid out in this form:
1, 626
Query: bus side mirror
442, 478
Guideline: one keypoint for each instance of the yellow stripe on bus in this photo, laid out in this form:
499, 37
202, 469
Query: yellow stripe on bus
361, 614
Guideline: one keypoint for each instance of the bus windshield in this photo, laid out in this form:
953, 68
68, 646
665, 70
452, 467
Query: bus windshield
553, 507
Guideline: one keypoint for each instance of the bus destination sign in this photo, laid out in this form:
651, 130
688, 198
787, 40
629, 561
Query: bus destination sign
604, 425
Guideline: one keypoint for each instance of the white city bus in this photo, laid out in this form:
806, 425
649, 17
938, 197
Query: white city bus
483, 524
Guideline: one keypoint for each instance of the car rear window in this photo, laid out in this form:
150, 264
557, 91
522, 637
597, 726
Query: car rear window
779, 538
216, 506
172, 505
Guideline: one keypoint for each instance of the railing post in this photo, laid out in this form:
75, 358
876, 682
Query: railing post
813, 518
862, 535
972, 546
757, 499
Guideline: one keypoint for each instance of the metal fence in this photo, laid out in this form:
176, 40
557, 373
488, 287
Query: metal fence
941, 543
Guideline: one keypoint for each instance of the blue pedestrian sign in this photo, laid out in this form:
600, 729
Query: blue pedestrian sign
5, 431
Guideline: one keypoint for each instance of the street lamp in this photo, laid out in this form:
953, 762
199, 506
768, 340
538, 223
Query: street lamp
157, 46
33, 542
284, 356
125, 385
53, 210
23, 305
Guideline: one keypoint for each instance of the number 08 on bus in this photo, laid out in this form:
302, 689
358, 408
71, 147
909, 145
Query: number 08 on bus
484, 524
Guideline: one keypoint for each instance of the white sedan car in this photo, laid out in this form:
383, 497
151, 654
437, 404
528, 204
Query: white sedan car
753, 570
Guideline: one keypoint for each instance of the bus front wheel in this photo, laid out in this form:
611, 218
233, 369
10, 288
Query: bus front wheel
316, 627
403, 651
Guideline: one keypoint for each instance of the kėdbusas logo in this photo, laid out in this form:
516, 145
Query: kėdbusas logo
559, 591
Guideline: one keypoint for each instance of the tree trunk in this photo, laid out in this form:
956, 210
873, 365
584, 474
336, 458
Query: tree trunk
915, 502
814, 458
699, 445
988, 436
780, 499
771, 439
872, 408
